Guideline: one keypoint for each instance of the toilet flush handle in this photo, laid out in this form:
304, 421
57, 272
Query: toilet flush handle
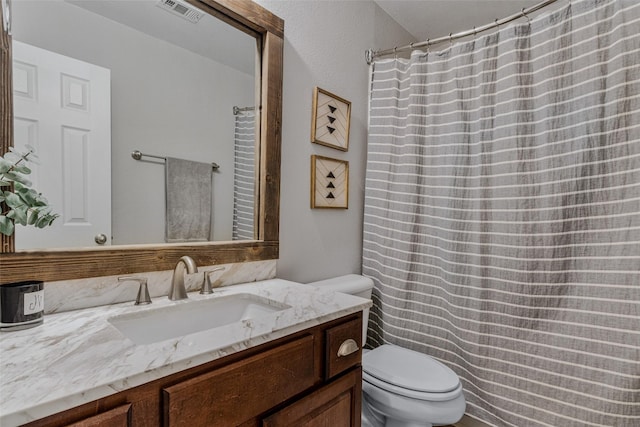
348, 347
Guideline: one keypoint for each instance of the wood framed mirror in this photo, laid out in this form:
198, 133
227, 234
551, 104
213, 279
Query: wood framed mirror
76, 263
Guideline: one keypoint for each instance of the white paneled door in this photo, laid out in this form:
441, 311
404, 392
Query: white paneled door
62, 107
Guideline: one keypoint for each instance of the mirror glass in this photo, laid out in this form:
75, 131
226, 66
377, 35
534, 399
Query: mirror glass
95, 81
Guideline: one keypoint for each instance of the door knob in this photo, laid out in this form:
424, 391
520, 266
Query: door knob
100, 239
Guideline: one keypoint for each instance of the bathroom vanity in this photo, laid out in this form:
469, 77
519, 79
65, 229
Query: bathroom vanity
273, 368
287, 382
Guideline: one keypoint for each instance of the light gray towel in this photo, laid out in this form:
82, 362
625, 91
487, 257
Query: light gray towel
188, 201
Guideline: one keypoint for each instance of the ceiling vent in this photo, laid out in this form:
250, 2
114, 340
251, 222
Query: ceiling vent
182, 9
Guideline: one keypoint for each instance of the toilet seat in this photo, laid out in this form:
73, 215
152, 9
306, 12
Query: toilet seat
418, 395
409, 373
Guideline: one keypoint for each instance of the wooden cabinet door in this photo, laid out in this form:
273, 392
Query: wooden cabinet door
116, 417
337, 404
236, 393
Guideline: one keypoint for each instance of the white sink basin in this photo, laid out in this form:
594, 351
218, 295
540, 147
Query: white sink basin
188, 317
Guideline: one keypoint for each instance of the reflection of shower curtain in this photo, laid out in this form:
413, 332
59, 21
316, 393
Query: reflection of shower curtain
502, 215
244, 176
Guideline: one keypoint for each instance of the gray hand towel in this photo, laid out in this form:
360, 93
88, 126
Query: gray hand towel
188, 201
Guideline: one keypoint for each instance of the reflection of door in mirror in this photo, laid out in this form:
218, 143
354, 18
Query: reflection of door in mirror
62, 109
172, 95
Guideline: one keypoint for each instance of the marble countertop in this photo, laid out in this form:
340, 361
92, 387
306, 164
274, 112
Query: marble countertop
76, 357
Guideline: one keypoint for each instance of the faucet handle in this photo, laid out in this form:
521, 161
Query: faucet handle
206, 282
143, 291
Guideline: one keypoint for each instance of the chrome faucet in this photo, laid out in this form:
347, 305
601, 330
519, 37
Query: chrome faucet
206, 282
143, 291
178, 291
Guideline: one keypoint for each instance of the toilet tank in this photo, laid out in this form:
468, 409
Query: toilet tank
352, 284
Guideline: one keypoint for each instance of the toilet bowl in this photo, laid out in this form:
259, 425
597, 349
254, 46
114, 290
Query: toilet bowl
401, 387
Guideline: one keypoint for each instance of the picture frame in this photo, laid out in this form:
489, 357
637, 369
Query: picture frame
329, 183
330, 120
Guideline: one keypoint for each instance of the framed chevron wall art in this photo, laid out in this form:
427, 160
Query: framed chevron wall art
329, 183
330, 120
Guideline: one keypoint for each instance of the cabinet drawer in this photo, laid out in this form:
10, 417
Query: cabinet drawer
337, 404
116, 417
344, 347
236, 393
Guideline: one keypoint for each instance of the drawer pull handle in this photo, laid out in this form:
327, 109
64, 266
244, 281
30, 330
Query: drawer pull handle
348, 347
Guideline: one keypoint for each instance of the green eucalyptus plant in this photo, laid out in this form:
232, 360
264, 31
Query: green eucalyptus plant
22, 204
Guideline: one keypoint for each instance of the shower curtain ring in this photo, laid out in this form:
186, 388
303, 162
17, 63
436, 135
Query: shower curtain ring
524, 15
450, 39
395, 52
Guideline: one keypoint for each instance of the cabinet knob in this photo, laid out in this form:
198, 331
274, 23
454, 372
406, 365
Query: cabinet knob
348, 347
101, 238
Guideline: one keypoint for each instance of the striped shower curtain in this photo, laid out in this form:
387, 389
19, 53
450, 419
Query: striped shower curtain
244, 197
502, 214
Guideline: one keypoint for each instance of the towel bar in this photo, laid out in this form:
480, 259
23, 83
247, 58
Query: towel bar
137, 155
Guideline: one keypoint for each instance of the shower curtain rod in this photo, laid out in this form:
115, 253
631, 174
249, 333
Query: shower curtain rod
371, 54
238, 110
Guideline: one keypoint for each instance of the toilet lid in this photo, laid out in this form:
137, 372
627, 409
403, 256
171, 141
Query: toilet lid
409, 369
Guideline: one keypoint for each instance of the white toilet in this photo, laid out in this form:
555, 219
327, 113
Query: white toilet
401, 387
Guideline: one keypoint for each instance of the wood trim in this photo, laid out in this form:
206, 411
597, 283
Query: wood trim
70, 264
271, 135
6, 110
247, 13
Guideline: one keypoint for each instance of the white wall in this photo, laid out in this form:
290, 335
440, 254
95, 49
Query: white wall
164, 99
325, 43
